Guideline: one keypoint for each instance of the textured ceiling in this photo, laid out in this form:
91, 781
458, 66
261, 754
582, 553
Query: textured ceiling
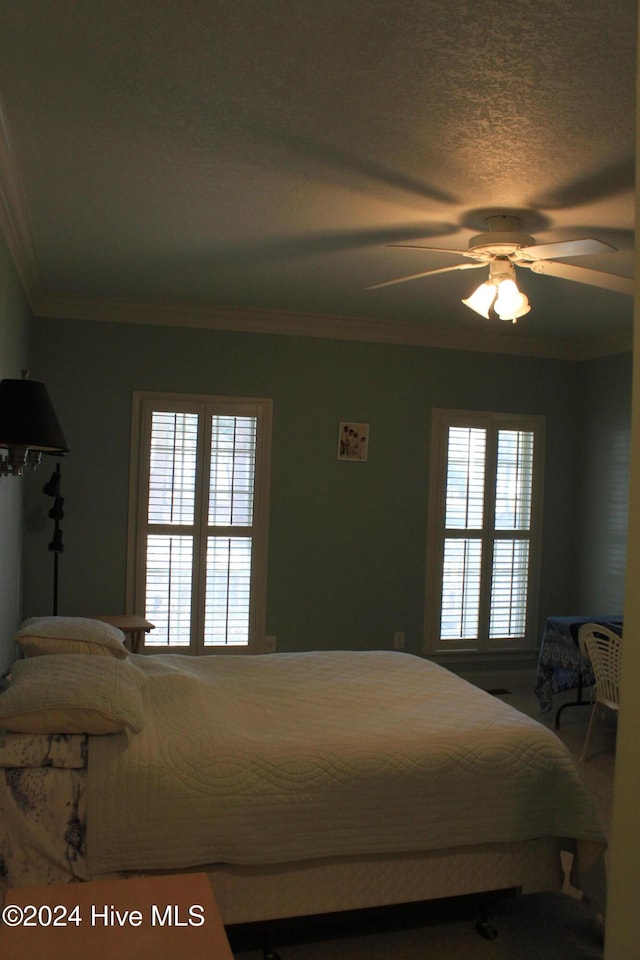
261, 156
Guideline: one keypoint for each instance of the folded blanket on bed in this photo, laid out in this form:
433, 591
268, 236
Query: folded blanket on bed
266, 759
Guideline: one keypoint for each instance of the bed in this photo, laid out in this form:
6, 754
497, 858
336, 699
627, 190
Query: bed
304, 783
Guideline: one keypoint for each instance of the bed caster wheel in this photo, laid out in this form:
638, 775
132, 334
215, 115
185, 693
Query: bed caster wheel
486, 929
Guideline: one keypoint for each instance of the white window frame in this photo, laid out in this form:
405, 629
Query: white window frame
442, 420
144, 404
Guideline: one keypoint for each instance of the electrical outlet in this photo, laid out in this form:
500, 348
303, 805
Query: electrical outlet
269, 644
398, 640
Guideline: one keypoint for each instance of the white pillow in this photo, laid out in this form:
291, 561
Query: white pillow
48, 635
72, 693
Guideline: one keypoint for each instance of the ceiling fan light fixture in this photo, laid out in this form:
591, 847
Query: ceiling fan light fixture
499, 292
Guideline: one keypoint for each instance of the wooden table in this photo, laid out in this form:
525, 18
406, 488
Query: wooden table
132, 626
141, 918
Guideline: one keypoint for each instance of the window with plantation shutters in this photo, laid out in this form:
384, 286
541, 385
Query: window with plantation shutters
199, 521
485, 503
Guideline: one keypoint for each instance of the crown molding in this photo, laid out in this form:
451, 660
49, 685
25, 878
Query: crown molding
319, 326
603, 347
14, 218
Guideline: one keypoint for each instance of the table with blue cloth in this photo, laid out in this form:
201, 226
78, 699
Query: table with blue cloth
561, 666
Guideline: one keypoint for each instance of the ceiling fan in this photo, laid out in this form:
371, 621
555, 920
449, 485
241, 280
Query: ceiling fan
502, 249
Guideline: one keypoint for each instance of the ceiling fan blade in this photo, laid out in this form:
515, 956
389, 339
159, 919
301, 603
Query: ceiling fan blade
595, 278
417, 246
567, 248
425, 273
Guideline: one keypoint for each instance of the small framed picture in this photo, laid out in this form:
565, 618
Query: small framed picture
353, 440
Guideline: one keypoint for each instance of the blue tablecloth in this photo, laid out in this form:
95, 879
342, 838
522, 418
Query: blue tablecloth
561, 666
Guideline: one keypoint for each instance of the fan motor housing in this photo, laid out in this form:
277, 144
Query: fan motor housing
499, 244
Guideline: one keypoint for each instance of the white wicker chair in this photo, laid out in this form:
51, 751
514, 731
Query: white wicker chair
603, 648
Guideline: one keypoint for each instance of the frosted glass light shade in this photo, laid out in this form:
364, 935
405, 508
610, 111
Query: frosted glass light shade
510, 303
481, 299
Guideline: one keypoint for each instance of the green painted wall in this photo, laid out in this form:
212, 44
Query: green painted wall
14, 328
605, 388
347, 540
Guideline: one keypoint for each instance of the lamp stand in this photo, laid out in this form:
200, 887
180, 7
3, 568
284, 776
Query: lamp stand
52, 489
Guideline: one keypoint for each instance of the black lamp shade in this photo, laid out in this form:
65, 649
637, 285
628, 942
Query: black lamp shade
27, 417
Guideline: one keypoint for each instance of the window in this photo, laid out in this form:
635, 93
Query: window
198, 521
484, 512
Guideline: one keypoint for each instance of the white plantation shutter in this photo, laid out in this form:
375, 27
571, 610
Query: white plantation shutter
464, 508
510, 573
228, 591
484, 530
231, 497
460, 589
233, 461
465, 478
200, 541
168, 588
172, 468
514, 479
509, 582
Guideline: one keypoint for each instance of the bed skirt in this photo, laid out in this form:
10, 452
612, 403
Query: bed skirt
249, 894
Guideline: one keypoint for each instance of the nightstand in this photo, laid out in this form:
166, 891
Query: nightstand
132, 626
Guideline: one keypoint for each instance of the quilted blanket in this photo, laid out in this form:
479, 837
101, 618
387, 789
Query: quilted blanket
266, 759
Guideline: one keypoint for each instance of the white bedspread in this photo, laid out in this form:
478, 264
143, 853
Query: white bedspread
266, 759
